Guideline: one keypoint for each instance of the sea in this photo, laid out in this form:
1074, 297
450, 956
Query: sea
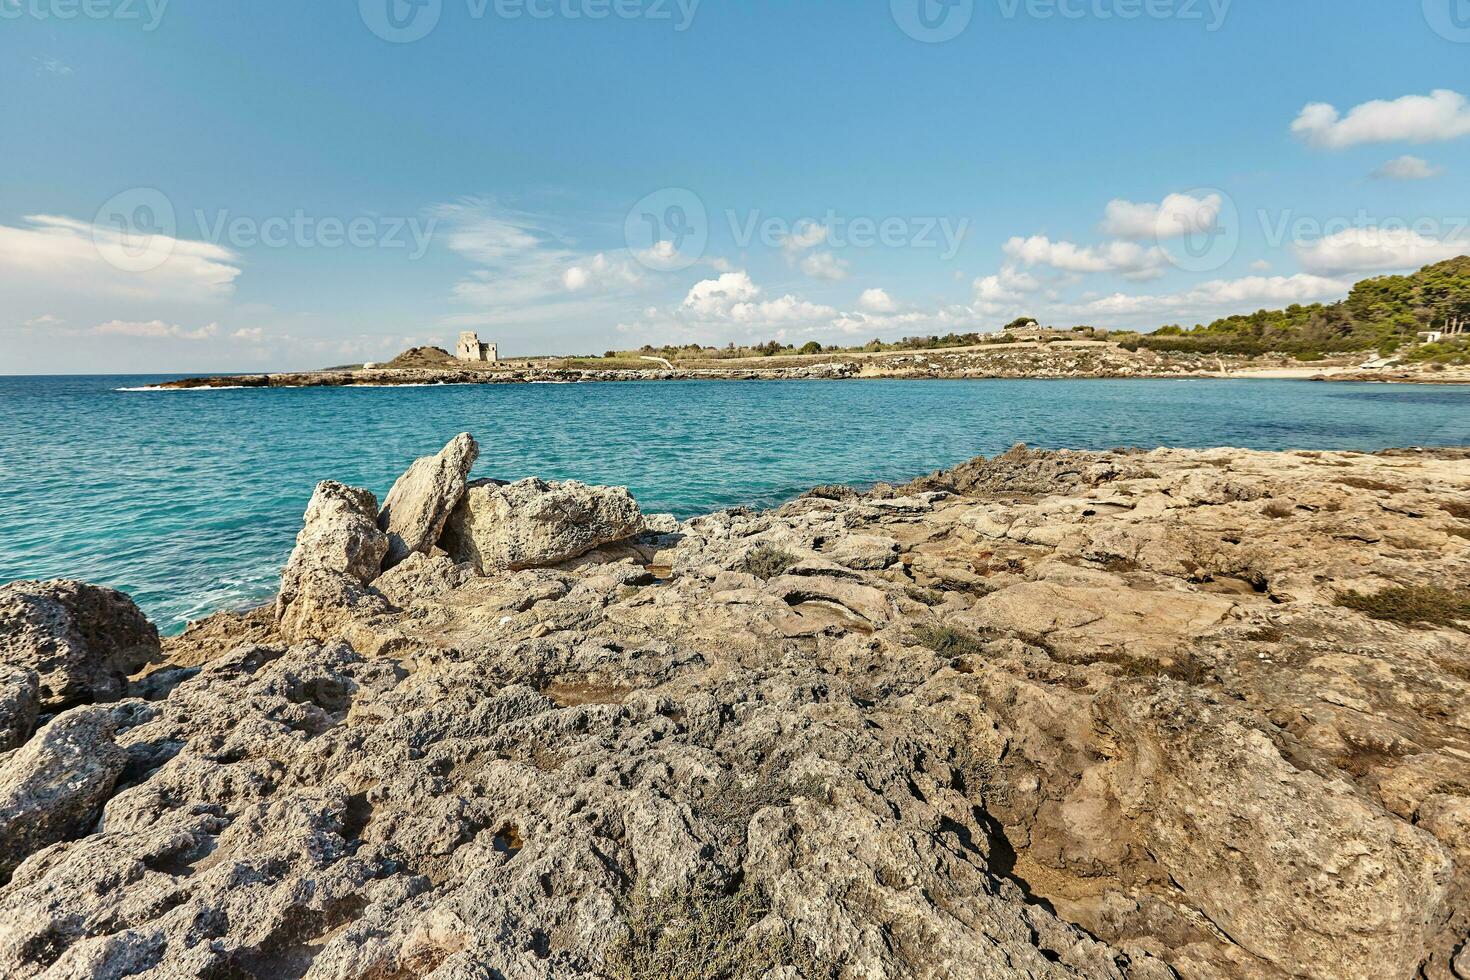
190, 500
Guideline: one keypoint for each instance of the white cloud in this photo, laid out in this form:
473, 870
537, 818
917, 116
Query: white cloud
1376, 250
45, 321
1222, 296
1407, 168
1442, 115
69, 254
154, 330
251, 334
807, 234
528, 272
1129, 259
1006, 286
714, 297
824, 265
877, 301
1176, 216
1260, 265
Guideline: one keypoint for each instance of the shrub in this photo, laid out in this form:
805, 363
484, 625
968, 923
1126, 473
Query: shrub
1415, 605
948, 641
811, 347
706, 933
767, 562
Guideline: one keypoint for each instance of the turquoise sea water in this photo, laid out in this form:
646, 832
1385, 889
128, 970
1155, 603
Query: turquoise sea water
190, 501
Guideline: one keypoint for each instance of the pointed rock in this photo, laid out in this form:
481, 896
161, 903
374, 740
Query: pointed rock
421, 501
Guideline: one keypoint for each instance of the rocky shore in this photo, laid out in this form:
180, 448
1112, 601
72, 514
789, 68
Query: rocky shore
1082, 360
1152, 715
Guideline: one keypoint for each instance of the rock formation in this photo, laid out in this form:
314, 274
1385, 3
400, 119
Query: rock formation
82, 641
1101, 715
533, 524
420, 502
338, 551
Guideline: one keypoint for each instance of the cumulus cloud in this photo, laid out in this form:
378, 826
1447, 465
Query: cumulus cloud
714, 297
824, 265
73, 255
877, 301
1176, 216
1441, 115
1129, 259
1407, 168
250, 334
1377, 250
155, 330
1006, 286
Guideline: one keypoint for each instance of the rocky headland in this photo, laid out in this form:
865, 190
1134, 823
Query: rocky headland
1059, 361
1153, 715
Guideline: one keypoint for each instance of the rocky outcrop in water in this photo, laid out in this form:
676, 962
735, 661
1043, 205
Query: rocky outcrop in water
1148, 715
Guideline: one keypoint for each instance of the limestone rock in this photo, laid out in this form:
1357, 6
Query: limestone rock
340, 535
423, 498
82, 640
534, 524
421, 577
20, 701
323, 601
53, 788
1117, 727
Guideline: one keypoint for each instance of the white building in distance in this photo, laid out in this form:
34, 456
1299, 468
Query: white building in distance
470, 349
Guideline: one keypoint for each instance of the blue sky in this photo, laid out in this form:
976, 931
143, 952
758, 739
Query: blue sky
208, 186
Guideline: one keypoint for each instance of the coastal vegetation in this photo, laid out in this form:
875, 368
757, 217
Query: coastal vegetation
1383, 314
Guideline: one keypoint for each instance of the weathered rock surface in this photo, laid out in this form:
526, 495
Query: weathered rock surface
423, 498
82, 640
535, 524
20, 703
53, 788
338, 551
969, 728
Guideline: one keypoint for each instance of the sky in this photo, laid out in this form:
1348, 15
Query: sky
271, 185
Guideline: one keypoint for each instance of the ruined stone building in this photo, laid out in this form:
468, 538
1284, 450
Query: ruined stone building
470, 349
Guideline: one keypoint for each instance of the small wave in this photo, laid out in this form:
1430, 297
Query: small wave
200, 388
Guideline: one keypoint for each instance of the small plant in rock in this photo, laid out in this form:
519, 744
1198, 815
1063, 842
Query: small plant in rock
948, 641
767, 562
706, 933
1414, 605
